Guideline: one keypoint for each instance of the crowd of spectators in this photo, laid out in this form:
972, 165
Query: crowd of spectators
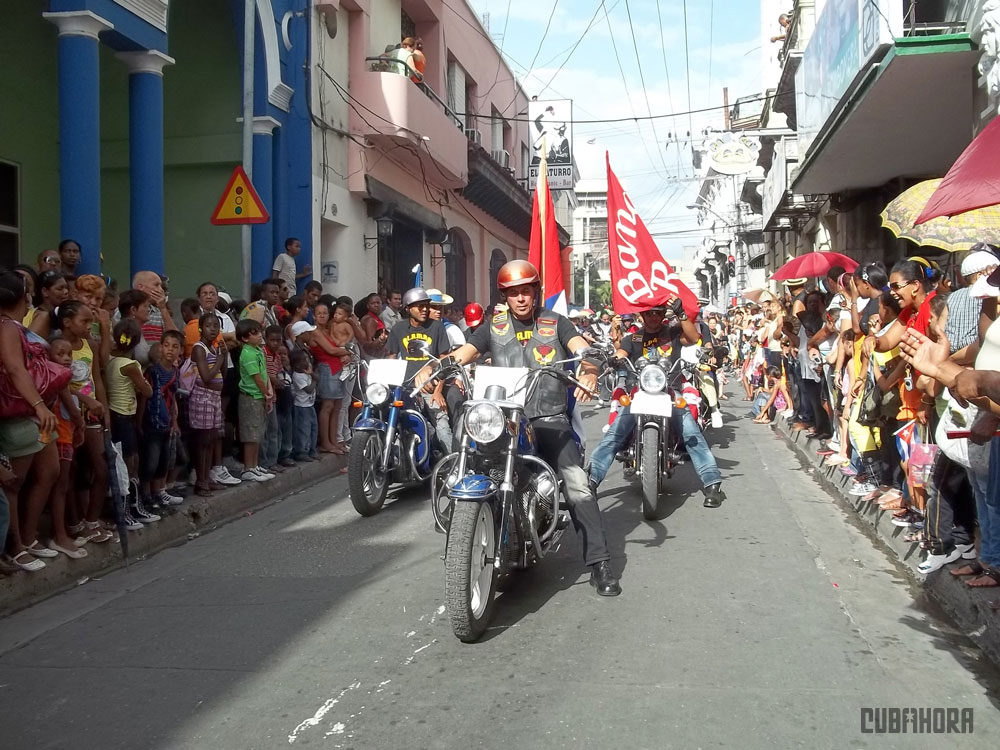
872, 364
191, 397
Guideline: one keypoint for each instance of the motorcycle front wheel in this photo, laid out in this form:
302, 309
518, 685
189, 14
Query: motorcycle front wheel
367, 483
650, 473
470, 575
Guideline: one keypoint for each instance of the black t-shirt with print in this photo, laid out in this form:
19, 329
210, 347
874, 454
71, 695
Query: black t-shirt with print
565, 330
403, 340
666, 343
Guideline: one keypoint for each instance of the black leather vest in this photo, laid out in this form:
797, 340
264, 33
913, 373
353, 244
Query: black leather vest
550, 396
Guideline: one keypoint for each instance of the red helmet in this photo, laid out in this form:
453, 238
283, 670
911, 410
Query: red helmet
517, 272
473, 314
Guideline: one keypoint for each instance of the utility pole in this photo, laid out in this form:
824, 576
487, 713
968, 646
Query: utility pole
249, 16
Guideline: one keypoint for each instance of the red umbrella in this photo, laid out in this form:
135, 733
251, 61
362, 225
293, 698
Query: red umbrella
812, 265
973, 180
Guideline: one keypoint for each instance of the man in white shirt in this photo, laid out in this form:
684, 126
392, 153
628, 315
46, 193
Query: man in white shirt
284, 265
390, 314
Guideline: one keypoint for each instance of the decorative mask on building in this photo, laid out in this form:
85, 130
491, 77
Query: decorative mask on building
733, 154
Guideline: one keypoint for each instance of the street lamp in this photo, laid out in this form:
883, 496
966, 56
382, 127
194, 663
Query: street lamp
384, 226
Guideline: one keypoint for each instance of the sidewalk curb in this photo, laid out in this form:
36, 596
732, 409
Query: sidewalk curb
968, 609
198, 515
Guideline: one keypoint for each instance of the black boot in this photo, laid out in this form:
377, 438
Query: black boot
604, 580
714, 495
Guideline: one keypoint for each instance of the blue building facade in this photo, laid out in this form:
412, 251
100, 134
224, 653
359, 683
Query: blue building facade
138, 31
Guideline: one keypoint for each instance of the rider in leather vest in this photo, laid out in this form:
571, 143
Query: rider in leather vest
522, 336
548, 398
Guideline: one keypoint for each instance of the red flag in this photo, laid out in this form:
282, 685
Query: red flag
640, 277
543, 248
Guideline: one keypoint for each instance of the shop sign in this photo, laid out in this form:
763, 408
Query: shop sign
551, 130
848, 36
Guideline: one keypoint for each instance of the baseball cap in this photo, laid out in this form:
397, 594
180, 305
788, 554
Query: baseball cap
301, 327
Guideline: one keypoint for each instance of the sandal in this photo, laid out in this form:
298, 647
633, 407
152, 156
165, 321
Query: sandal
31, 566
972, 569
989, 579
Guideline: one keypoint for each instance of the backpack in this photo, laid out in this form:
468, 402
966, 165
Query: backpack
188, 375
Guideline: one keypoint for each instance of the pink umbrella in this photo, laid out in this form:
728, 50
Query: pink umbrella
973, 180
812, 265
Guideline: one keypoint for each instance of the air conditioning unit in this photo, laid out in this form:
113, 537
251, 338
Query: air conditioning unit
474, 135
502, 158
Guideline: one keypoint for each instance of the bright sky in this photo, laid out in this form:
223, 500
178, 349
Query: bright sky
723, 38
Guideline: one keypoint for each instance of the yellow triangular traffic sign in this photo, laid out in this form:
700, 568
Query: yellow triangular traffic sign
240, 203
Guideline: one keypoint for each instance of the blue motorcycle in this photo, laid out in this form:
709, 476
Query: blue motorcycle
392, 438
503, 510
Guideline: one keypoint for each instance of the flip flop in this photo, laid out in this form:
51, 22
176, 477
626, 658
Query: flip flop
972, 569
988, 580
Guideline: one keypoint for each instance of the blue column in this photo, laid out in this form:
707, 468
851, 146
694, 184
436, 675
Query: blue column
145, 151
262, 240
80, 132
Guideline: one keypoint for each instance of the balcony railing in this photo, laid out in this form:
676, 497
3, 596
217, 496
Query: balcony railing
386, 64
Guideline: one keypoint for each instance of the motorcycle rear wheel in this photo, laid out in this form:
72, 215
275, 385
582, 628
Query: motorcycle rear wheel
470, 575
650, 473
368, 485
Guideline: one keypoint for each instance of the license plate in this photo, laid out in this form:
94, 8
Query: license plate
652, 404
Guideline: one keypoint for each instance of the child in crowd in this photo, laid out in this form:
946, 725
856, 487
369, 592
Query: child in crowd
205, 402
190, 312
74, 318
271, 447
776, 388
70, 429
124, 381
255, 392
285, 406
304, 392
159, 421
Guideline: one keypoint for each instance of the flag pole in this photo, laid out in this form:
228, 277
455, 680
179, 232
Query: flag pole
543, 179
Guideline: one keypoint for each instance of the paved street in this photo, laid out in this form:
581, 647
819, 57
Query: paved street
769, 623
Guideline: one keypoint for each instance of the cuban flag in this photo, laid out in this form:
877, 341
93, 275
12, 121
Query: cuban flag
906, 437
543, 249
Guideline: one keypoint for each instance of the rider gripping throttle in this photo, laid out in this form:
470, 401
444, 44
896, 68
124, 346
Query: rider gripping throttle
526, 336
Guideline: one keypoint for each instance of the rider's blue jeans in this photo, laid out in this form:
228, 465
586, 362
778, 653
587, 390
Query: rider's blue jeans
623, 426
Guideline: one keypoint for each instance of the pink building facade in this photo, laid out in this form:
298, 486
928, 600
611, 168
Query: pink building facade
406, 173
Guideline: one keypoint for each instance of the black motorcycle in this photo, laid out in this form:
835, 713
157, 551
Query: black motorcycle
503, 509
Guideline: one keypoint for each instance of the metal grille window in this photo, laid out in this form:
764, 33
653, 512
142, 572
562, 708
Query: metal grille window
10, 214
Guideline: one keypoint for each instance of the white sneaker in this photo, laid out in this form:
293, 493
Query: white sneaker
968, 551
860, 489
256, 474
221, 475
716, 419
165, 498
936, 562
788, 413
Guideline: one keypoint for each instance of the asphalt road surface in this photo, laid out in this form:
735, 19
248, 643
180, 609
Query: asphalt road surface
771, 622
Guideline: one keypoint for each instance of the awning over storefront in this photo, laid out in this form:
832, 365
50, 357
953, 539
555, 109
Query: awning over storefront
909, 116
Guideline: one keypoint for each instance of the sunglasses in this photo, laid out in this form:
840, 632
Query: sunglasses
897, 285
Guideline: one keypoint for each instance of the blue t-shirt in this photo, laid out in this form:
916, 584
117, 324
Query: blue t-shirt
160, 405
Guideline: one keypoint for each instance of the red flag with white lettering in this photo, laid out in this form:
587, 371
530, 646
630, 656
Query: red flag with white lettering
640, 276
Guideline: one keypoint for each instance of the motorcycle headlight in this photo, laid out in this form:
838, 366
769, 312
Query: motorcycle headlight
652, 379
377, 394
484, 423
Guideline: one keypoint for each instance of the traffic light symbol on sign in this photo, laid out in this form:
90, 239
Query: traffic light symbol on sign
240, 203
